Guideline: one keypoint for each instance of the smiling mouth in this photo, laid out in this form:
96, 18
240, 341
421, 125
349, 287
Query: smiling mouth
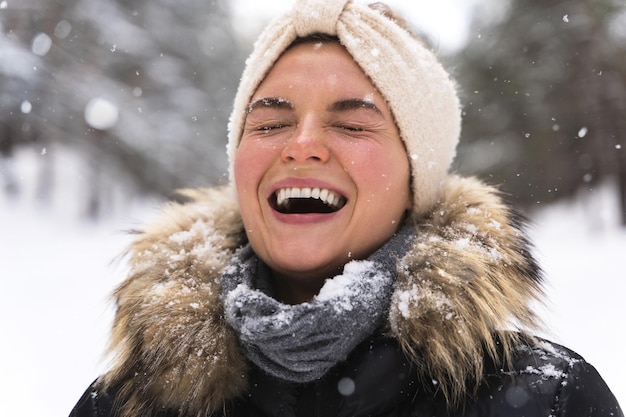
306, 200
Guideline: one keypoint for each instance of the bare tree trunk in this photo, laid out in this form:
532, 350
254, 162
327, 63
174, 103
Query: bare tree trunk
604, 104
622, 187
7, 144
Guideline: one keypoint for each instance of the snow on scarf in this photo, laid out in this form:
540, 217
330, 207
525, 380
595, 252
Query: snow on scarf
301, 342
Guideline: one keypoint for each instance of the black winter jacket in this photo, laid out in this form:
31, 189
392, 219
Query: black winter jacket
378, 380
468, 276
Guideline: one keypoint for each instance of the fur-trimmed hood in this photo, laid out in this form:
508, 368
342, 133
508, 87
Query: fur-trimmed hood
468, 278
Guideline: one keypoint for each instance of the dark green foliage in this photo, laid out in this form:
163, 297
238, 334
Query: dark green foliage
544, 89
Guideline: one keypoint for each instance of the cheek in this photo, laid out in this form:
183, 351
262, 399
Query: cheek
381, 171
248, 173
242, 179
249, 167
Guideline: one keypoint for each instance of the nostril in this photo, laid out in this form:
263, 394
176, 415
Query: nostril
303, 147
304, 156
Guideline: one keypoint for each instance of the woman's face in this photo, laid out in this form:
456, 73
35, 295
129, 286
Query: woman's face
321, 173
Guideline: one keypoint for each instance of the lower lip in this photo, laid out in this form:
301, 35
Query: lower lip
307, 218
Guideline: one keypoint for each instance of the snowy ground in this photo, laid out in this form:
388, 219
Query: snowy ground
56, 274
582, 251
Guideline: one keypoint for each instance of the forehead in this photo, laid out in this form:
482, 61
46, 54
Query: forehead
317, 59
318, 67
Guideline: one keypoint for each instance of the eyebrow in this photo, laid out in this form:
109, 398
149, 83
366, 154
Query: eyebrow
353, 104
338, 106
273, 102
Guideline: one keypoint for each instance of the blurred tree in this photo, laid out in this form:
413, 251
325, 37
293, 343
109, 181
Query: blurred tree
141, 89
545, 98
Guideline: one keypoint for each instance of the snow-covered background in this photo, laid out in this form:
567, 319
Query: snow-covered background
57, 271
57, 268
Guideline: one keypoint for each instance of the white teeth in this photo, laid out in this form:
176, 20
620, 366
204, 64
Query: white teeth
280, 196
329, 197
324, 195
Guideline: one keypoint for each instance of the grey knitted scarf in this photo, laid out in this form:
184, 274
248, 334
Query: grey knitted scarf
301, 342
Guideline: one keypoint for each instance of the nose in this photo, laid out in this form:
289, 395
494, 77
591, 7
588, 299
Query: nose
308, 143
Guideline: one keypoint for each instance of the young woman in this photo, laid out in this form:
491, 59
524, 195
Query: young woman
343, 272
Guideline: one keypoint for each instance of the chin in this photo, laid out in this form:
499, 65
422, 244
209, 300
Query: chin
308, 269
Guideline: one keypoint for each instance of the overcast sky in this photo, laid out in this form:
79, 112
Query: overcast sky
445, 21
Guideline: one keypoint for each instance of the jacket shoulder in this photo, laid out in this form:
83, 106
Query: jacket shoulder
582, 390
94, 403
547, 379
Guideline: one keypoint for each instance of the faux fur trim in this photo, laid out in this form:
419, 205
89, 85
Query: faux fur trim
172, 348
468, 278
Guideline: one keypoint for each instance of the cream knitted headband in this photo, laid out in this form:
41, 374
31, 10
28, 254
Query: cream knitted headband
418, 90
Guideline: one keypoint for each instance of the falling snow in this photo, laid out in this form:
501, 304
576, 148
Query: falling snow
73, 276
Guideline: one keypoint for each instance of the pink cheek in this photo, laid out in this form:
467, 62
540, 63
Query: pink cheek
372, 172
252, 161
369, 167
243, 175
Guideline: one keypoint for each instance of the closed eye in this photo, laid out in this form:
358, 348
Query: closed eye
350, 128
270, 127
